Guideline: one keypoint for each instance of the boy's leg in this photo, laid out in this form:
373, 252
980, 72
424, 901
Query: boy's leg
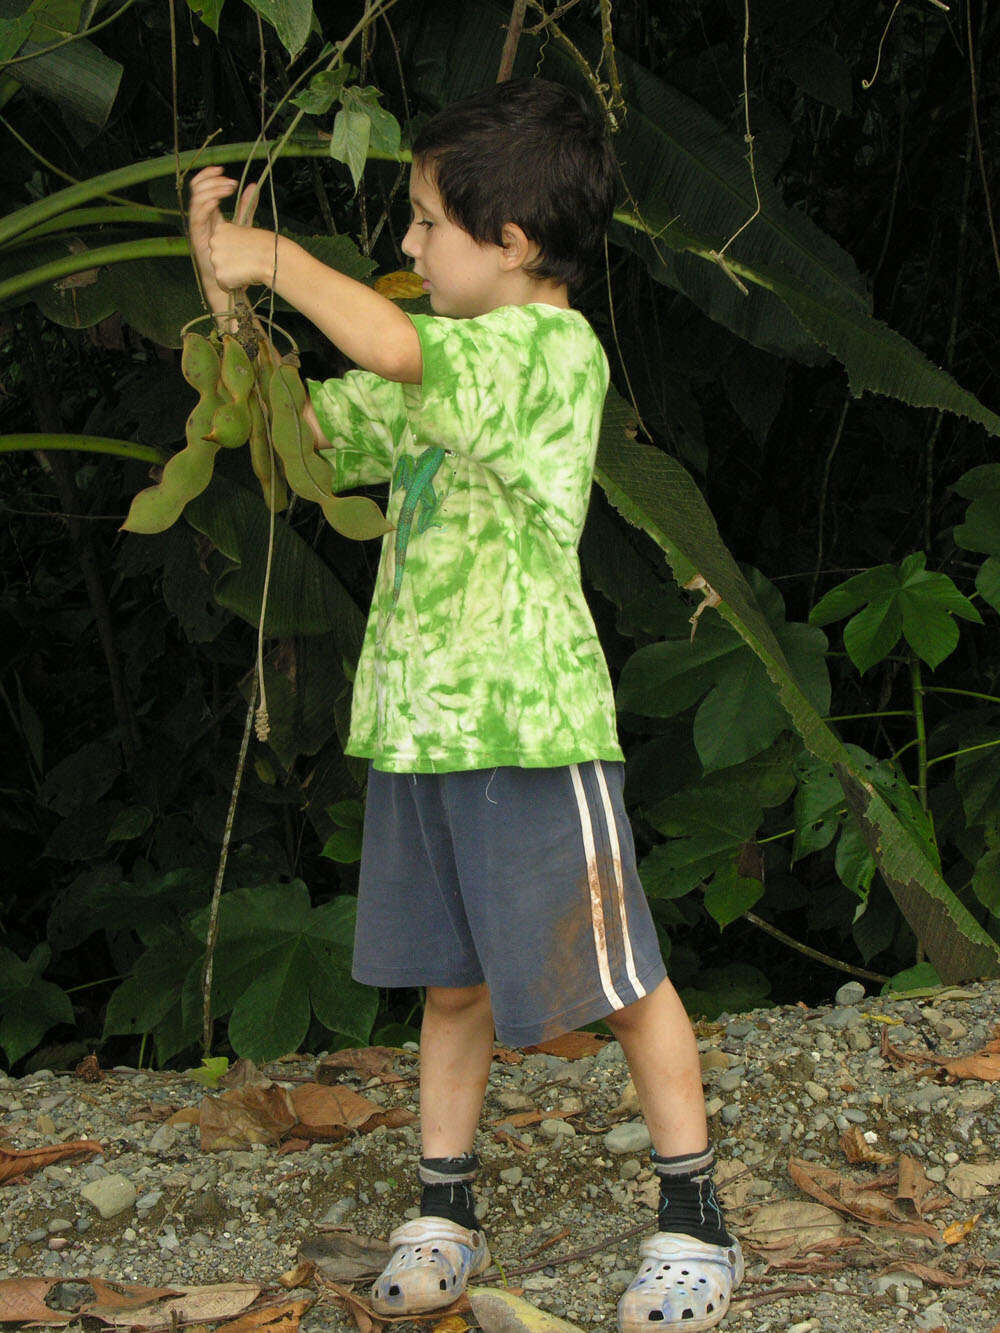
456, 1047
692, 1263
436, 1254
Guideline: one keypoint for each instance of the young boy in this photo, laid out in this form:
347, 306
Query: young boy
498, 868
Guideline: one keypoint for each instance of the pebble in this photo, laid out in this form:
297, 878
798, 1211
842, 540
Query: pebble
110, 1195
780, 1082
851, 993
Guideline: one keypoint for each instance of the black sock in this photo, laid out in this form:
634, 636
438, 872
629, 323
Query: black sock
447, 1191
688, 1203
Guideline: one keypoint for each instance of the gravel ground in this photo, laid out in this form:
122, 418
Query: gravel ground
784, 1083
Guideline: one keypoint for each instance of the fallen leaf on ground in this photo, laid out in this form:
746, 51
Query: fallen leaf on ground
282, 1317
983, 1064
502, 1136
343, 1256
369, 1061
16, 1162
244, 1116
938, 1277
733, 1183
22, 1301
914, 1186
402, 285
198, 1305
362, 1314
187, 1115
299, 1276
505, 1056
959, 1230
89, 1069
293, 1145
856, 1148
521, 1119
792, 1222
244, 1074
330, 1113
452, 1323
124, 1295
210, 1071
973, 1180
570, 1045
861, 1201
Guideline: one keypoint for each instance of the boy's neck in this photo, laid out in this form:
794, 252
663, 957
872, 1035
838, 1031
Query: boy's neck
523, 289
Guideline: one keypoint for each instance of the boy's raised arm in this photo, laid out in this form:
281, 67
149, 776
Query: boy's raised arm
367, 327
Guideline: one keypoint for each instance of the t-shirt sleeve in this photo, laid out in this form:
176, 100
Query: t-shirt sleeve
362, 416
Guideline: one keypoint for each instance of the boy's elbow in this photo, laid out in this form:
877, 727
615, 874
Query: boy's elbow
399, 357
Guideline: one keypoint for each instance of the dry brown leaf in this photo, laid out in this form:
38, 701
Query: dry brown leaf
343, 1256
204, 1305
89, 1069
362, 1314
368, 1061
22, 1301
329, 1113
452, 1323
733, 1183
856, 1148
282, 1317
858, 1201
244, 1116
243, 1074
973, 1180
16, 1162
502, 1136
505, 1056
521, 1119
936, 1276
299, 1276
792, 1226
123, 1295
570, 1045
913, 1186
293, 1145
983, 1064
188, 1115
959, 1230
402, 285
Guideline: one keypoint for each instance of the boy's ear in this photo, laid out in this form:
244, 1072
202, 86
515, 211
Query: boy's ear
516, 249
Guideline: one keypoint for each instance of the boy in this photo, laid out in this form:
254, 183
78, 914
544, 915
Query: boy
498, 867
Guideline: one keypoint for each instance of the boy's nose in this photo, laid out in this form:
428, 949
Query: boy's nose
407, 246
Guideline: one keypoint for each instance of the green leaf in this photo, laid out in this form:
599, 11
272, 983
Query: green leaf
29, 1005
981, 529
323, 90
211, 1070
819, 71
79, 78
132, 822
343, 846
292, 20
208, 11
818, 809
655, 493
853, 862
305, 596
977, 776
352, 132
13, 34
348, 814
923, 976
853, 593
988, 581
730, 894
871, 635
986, 880
384, 132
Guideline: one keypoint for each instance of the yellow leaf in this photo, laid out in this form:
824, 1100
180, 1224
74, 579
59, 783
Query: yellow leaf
403, 285
959, 1230
452, 1323
212, 1069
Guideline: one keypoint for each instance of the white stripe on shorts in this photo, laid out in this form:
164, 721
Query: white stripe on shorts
616, 861
594, 879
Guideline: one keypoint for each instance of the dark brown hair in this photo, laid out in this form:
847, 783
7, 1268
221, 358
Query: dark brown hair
530, 152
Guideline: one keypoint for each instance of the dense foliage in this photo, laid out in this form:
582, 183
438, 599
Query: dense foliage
866, 527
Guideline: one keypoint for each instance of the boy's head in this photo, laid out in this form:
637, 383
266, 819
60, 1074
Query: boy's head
530, 152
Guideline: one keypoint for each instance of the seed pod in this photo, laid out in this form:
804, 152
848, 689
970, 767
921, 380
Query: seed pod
306, 472
230, 425
200, 363
184, 476
265, 464
237, 372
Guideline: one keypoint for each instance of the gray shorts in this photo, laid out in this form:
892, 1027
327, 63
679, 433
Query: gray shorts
523, 878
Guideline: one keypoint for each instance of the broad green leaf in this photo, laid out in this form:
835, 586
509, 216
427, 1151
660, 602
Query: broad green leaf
986, 880
323, 90
853, 593
343, 846
384, 132
303, 679
819, 71
78, 77
208, 11
733, 989
981, 529
652, 491
977, 775
988, 581
924, 976
291, 20
13, 34
348, 814
853, 862
349, 141
871, 635
145, 999
305, 596
818, 809
29, 1005
730, 894
131, 823
211, 1070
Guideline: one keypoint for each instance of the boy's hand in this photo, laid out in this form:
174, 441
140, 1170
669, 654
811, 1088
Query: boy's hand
228, 255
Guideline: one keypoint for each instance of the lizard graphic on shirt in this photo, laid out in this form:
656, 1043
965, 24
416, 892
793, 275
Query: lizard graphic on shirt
415, 477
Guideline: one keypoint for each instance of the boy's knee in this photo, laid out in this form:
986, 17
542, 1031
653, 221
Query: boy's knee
457, 1000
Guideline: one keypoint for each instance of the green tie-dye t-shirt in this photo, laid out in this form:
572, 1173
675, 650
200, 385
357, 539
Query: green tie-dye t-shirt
480, 649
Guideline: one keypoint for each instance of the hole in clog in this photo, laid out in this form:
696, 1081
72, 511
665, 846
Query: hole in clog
394, 1290
656, 1314
709, 1308
687, 1314
443, 1285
